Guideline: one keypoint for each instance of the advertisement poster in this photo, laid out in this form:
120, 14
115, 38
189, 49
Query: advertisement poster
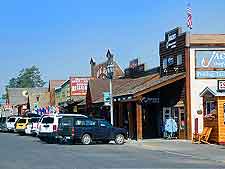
78, 86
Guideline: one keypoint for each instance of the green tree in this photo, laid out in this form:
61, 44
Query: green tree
27, 78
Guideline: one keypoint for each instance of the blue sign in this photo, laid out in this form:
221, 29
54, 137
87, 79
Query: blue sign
106, 98
170, 61
210, 74
210, 59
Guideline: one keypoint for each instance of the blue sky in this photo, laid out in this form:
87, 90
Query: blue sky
60, 36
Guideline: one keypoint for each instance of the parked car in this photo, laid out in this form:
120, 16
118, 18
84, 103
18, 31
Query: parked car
49, 125
34, 128
87, 130
10, 124
21, 125
29, 127
3, 126
47, 128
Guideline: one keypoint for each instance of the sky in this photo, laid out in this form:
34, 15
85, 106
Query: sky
60, 36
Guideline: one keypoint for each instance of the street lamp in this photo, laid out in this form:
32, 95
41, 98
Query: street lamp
110, 70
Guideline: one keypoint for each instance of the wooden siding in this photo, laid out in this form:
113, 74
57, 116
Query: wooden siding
179, 49
221, 125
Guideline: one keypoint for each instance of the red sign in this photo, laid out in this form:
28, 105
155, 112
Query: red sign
78, 86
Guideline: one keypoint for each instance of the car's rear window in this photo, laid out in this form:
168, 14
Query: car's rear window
22, 121
48, 120
34, 120
12, 120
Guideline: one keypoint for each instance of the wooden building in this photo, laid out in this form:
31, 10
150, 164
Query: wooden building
188, 64
213, 111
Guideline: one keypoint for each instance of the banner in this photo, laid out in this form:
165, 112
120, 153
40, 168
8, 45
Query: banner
78, 86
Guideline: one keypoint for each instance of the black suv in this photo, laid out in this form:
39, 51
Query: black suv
87, 130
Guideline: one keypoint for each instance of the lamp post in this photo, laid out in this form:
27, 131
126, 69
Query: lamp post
110, 70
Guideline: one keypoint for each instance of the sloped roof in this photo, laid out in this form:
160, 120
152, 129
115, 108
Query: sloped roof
55, 83
211, 90
120, 86
16, 96
157, 83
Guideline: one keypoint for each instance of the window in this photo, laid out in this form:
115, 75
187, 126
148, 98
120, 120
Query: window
67, 121
22, 121
164, 63
38, 98
104, 123
12, 120
48, 120
90, 123
210, 107
79, 122
179, 59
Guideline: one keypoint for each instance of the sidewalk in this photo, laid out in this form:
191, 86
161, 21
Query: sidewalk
184, 148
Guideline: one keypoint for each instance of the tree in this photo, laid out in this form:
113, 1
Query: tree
27, 78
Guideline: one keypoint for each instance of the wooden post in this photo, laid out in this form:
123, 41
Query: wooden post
139, 120
130, 120
120, 113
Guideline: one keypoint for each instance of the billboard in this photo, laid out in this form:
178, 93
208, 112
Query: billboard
78, 86
210, 64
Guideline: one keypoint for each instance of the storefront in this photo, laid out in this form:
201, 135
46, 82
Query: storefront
214, 112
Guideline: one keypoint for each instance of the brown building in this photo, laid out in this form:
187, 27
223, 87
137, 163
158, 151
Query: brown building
53, 84
99, 71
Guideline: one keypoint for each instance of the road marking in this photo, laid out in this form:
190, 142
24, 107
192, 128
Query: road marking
179, 154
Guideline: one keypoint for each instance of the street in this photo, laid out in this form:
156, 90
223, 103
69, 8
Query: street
24, 152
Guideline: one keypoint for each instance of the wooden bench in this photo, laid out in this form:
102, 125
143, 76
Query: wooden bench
203, 137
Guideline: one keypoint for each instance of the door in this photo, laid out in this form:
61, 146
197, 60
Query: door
103, 130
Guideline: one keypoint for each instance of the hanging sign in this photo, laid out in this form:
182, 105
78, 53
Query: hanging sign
221, 85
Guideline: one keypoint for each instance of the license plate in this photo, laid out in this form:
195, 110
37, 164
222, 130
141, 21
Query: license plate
46, 125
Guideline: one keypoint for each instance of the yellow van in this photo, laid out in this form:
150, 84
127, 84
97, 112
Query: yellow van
21, 125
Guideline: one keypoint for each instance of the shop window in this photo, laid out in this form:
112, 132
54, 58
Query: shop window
210, 107
164, 63
179, 59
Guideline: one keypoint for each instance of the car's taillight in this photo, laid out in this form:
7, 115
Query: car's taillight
73, 132
54, 127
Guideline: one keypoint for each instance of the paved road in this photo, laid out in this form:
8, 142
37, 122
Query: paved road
23, 152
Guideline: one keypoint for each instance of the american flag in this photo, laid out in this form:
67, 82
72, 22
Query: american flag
189, 16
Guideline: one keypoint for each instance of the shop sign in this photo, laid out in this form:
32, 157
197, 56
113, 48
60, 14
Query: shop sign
210, 59
171, 38
106, 96
78, 86
209, 74
170, 61
221, 85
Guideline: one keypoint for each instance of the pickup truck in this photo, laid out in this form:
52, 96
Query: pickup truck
87, 130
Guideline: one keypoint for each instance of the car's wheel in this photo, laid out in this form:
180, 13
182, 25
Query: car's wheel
86, 139
119, 139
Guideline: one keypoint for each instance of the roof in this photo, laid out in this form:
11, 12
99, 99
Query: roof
120, 86
207, 39
98, 86
211, 90
55, 83
17, 95
157, 83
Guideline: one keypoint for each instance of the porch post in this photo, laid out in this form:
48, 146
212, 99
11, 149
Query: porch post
139, 120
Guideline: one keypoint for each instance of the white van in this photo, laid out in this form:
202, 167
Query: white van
10, 124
